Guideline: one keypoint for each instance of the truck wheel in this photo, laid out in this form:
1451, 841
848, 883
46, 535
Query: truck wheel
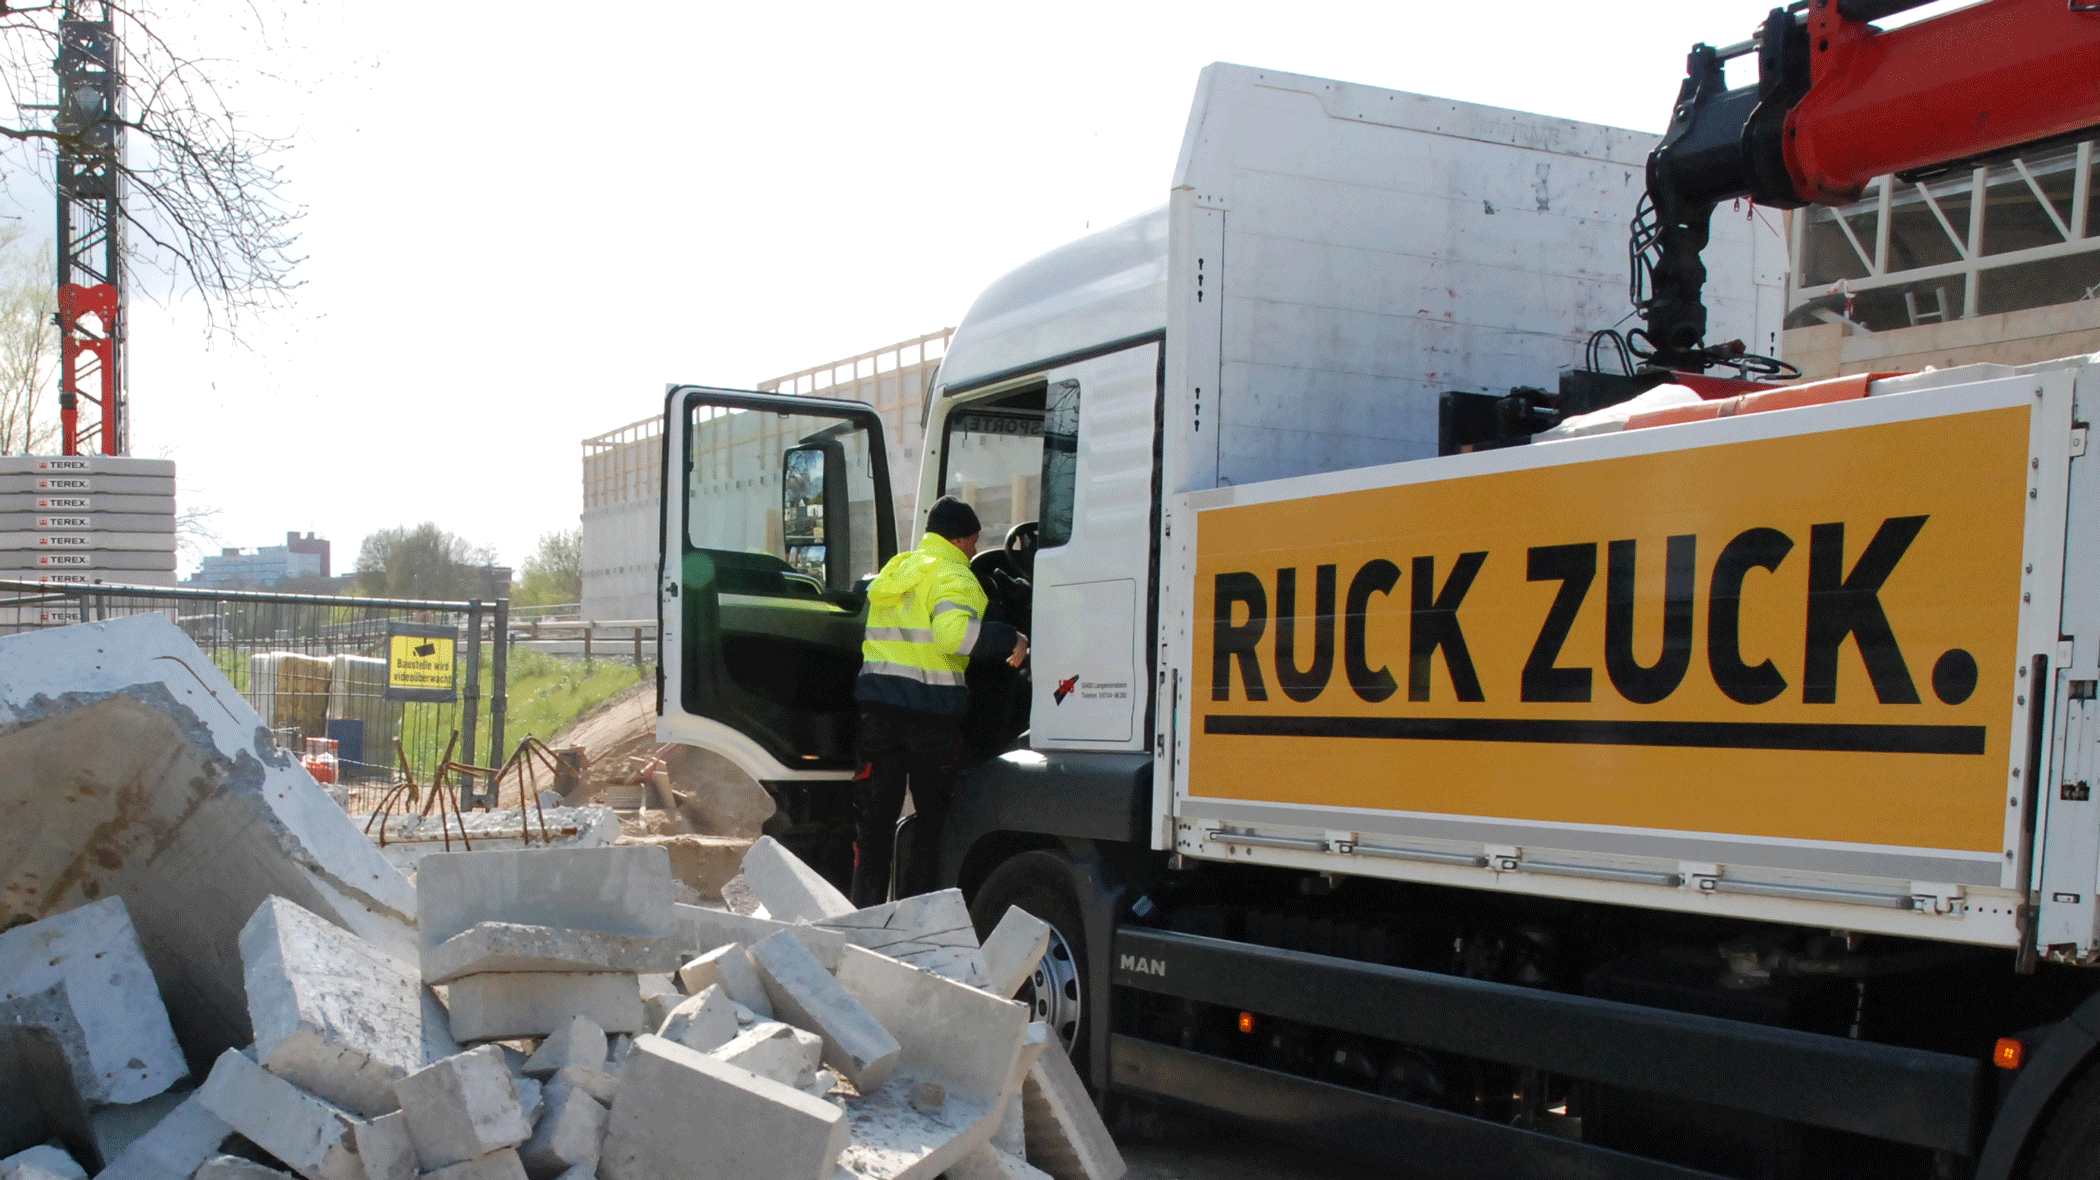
2070, 1140
1041, 883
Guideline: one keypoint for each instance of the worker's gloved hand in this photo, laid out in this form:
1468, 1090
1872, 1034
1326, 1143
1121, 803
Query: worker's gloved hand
1020, 652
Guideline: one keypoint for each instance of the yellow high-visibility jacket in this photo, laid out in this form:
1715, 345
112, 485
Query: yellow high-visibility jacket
925, 621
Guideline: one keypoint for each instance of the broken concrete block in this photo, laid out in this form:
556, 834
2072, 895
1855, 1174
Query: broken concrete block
496, 1165
46, 1158
530, 1094
171, 1148
729, 967
233, 1167
595, 1082
579, 1042
931, 930
1066, 1136
958, 1036
660, 994
462, 1107
129, 767
704, 929
855, 1043
790, 890
820, 1084
30, 1172
386, 1148
566, 1136
510, 946
677, 1107
116, 1036
503, 1004
1011, 1134
775, 1050
701, 1023
312, 1137
331, 1015
1012, 951
624, 891
990, 1163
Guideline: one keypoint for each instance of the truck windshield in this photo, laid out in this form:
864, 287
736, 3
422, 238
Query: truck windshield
992, 459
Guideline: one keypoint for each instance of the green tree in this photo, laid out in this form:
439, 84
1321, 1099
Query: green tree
422, 561
553, 574
28, 343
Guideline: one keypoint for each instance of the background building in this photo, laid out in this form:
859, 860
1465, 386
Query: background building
622, 468
267, 565
1998, 263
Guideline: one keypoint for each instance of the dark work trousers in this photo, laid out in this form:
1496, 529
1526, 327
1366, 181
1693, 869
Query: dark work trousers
900, 746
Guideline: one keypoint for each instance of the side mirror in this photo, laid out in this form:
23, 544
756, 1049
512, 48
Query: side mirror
816, 523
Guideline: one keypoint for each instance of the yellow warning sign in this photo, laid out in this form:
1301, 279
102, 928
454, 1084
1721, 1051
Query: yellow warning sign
420, 663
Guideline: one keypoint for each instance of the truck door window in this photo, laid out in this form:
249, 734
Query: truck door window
991, 458
1060, 462
746, 466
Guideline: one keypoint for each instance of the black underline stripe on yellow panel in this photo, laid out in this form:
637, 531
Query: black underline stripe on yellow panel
1718, 735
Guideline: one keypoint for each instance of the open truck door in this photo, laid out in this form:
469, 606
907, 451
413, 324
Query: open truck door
778, 514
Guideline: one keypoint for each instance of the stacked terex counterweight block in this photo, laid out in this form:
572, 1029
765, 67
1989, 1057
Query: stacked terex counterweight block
83, 519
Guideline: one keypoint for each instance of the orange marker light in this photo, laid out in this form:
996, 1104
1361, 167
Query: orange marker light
2008, 1054
1247, 1024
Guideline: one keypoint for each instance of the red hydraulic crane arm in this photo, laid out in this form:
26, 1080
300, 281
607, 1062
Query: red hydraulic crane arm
1969, 83
1837, 103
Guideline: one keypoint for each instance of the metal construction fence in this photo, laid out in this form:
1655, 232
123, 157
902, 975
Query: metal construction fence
317, 670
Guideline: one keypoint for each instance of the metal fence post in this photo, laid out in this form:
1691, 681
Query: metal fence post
499, 671
637, 647
468, 794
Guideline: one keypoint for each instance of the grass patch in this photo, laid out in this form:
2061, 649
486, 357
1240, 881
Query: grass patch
547, 695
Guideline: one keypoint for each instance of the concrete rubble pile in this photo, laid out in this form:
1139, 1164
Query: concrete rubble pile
512, 1015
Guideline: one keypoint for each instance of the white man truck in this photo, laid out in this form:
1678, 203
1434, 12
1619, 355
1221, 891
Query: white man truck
1695, 790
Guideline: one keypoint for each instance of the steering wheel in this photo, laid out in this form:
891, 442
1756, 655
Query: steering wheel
1022, 541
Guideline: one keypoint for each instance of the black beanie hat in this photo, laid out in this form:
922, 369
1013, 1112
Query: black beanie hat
951, 518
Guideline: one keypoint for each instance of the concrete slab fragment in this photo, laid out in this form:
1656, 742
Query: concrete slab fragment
623, 891
777, 1051
312, 1137
332, 1015
387, 1150
509, 946
1066, 1136
1012, 951
233, 1167
704, 929
579, 1042
48, 1158
1011, 1135
677, 1107
113, 1129
701, 1023
567, 1135
462, 1107
990, 1163
496, 1165
30, 1172
729, 968
117, 1039
855, 1043
129, 767
930, 930
502, 1005
790, 890
595, 1082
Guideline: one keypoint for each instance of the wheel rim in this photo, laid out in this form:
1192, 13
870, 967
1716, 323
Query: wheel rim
1053, 992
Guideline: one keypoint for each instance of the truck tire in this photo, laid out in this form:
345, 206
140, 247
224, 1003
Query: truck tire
2070, 1140
1041, 883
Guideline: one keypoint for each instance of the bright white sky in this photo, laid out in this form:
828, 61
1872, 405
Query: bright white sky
522, 220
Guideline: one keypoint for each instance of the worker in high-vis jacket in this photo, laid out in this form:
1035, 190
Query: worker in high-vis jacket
925, 624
